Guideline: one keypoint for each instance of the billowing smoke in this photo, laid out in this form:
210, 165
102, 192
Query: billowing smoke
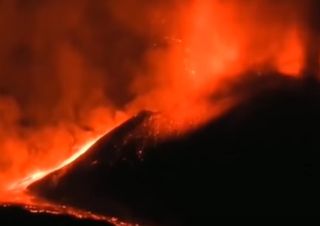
72, 69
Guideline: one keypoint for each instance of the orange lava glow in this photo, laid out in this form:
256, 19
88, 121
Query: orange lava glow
290, 60
54, 209
212, 43
15, 194
12, 188
81, 79
25, 182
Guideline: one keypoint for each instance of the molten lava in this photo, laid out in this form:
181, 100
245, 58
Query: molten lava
65, 83
16, 194
24, 183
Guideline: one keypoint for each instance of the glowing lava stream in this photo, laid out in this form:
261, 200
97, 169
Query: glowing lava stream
37, 205
25, 182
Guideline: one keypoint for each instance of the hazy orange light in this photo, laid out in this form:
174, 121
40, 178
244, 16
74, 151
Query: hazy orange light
25, 182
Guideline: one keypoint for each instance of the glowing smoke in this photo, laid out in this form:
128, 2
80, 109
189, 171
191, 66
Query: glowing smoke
72, 69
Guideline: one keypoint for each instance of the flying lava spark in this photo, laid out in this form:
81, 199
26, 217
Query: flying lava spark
73, 70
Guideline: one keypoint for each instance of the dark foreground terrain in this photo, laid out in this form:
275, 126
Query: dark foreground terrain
15, 215
260, 158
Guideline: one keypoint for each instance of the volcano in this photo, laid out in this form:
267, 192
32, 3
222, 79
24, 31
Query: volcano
260, 158
158, 112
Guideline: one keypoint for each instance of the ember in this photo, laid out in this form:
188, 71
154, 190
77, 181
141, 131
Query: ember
71, 71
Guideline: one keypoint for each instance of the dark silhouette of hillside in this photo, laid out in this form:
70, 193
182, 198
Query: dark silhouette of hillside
260, 158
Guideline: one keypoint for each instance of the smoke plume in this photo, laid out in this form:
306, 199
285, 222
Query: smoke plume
71, 70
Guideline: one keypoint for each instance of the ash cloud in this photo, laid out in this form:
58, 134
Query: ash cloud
70, 69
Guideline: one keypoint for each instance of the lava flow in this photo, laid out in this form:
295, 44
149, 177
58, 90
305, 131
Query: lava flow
71, 70
21, 185
16, 194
